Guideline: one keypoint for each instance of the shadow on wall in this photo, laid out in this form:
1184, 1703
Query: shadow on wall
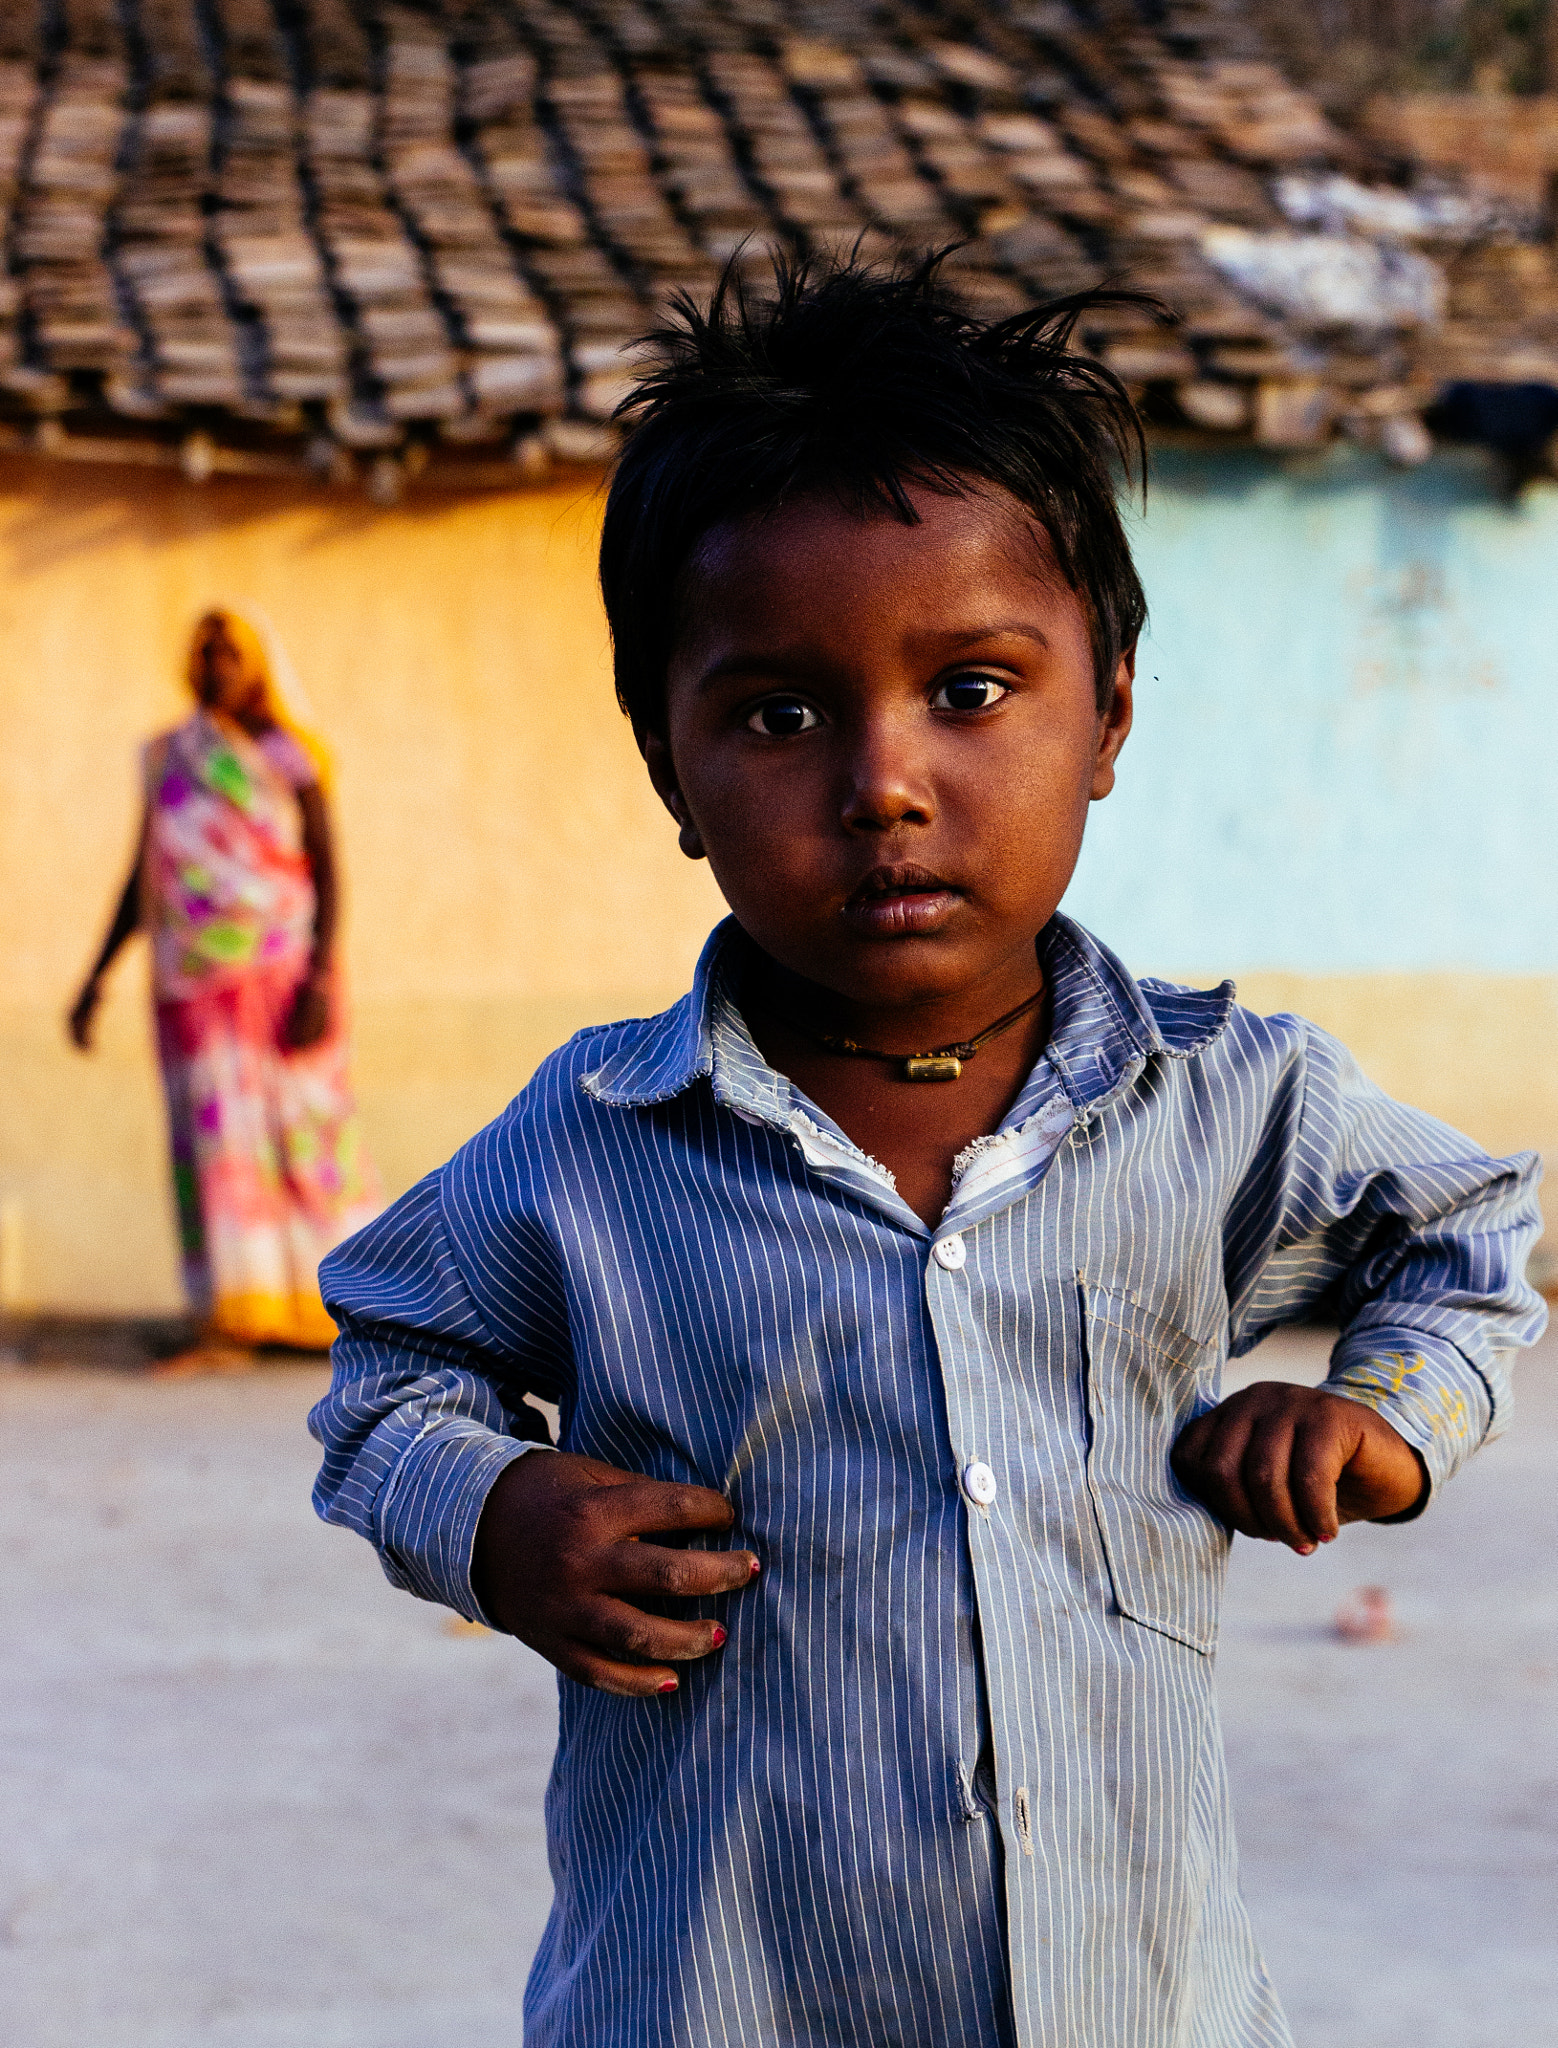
57, 513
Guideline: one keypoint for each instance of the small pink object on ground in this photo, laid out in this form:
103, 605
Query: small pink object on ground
1365, 1616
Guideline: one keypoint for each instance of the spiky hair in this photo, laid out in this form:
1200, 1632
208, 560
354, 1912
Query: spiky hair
858, 381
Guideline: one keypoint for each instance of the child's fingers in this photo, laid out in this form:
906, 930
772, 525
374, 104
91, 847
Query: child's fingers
649, 1570
1266, 1468
656, 1507
625, 1634
630, 1681
1208, 1458
1317, 1463
1267, 1461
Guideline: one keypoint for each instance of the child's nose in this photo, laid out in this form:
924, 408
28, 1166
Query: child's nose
887, 785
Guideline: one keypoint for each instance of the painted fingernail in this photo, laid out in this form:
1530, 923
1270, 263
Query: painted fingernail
1306, 1550
756, 1567
668, 1685
718, 1637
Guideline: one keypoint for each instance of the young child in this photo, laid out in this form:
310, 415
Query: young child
885, 1282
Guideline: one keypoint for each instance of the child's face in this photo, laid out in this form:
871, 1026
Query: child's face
885, 738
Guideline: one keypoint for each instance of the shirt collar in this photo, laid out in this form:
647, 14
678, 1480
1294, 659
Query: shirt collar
1107, 1025
663, 1056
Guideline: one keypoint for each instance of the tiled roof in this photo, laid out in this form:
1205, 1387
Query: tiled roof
334, 226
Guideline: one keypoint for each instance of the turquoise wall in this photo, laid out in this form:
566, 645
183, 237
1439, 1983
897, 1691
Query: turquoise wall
1347, 725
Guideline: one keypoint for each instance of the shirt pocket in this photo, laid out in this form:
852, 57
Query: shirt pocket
1145, 1380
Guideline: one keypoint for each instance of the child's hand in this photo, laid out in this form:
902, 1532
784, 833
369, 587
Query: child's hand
1292, 1464
559, 1563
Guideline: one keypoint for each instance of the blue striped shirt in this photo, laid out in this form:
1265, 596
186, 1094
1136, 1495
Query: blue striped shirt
957, 1777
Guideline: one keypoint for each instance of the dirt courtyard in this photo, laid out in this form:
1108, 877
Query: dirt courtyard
252, 1798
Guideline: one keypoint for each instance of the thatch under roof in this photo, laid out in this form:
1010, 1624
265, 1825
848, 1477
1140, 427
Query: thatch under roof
340, 232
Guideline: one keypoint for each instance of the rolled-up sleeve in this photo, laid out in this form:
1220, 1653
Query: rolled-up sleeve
426, 1406
1404, 1231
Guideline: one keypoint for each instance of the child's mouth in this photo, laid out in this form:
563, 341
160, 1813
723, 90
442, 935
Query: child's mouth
901, 902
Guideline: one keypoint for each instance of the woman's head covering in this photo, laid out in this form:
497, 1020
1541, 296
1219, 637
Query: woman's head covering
263, 655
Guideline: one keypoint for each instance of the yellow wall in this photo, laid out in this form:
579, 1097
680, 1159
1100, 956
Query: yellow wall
510, 874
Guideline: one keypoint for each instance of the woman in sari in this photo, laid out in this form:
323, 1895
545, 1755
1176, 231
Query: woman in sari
234, 882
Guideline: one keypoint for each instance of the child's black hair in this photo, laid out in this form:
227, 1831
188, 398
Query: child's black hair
857, 380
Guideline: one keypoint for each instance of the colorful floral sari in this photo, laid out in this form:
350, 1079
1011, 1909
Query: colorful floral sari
268, 1164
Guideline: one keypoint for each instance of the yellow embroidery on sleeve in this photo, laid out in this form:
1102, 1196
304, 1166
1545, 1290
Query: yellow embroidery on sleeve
1390, 1373
1456, 1415
1401, 1369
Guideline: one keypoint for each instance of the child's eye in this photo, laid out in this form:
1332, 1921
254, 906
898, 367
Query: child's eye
782, 716
968, 693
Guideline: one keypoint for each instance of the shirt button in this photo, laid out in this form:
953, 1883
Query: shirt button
979, 1483
950, 1252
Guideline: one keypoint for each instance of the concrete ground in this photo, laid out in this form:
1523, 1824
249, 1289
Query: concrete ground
251, 1798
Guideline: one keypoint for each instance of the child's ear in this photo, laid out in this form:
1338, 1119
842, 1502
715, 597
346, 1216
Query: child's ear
1114, 723
662, 773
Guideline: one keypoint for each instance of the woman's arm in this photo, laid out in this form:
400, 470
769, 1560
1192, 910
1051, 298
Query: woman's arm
126, 922
310, 1018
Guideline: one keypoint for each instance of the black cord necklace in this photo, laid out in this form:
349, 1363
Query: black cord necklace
944, 1064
